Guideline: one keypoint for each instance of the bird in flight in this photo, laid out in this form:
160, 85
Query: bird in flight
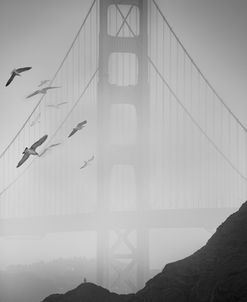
49, 148
86, 162
78, 127
16, 72
56, 106
42, 91
36, 120
32, 150
43, 82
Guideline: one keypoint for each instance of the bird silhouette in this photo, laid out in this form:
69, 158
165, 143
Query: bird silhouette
16, 72
78, 127
43, 82
49, 148
32, 150
86, 162
42, 91
56, 106
36, 120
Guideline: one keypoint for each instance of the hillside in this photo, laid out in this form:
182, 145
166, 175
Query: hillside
215, 273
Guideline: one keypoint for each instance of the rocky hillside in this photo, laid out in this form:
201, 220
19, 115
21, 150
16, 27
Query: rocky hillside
215, 273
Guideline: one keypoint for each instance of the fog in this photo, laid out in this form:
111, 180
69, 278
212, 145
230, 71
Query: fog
175, 244
195, 152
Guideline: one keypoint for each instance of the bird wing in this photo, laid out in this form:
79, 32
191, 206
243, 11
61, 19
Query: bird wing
54, 145
84, 165
82, 123
48, 148
39, 142
32, 94
90, 159
63, 103
43, 82
73, 132
24, 158
23, 69
50, 87
43, 152
10, 79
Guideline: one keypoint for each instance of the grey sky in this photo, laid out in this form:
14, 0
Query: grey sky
214, 33
37, 33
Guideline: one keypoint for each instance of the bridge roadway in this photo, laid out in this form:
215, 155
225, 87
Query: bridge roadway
208, 218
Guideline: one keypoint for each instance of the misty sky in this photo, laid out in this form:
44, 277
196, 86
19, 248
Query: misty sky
37, 33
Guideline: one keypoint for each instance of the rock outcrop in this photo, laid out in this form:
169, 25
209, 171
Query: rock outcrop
215, 273
91, 293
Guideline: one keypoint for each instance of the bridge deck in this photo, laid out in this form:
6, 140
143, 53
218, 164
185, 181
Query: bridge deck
182, 218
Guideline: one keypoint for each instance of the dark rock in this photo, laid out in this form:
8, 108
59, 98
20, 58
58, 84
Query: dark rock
215, 273
91, 293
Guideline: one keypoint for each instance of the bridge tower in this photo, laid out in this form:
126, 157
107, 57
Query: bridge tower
123, 82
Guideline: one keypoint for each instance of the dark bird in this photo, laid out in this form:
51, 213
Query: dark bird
78, 127
86, 162
42, 91
56, 106
32, 150
16, 72
49, 148
43, 82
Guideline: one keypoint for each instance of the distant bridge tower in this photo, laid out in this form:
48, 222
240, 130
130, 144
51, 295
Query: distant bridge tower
123, 87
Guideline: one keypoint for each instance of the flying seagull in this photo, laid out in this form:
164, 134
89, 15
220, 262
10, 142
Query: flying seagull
57, 106
43, 82
78, 127
16, 72
86, 162
42, 91
32, 150
36, 120
49, 148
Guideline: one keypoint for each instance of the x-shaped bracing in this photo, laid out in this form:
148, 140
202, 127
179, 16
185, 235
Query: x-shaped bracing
121, 272
124, 19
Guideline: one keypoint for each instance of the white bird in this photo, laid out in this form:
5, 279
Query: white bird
42, 91
43, 82
32, 150
36, 120
56, 106
86, 162
78, 127
16, 72
49, 148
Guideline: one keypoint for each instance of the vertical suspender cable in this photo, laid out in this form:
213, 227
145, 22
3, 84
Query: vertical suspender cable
156, 112
170, 123
163, 137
